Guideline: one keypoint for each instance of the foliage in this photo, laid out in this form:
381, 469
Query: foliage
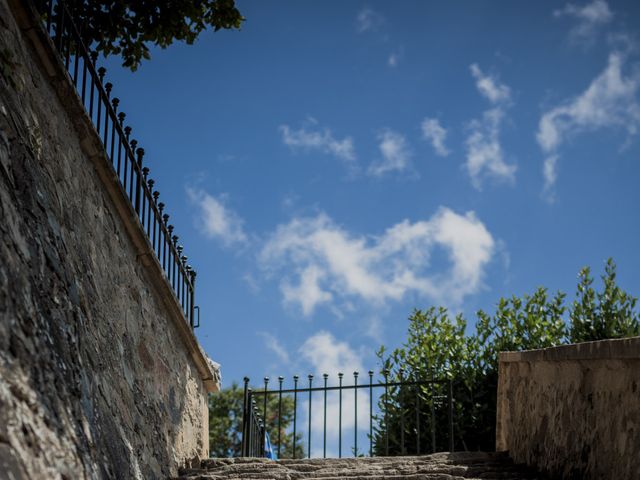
225, 424
607, 314
438, 347
128, 27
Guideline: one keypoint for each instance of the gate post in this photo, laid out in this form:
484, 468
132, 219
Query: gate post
245, 418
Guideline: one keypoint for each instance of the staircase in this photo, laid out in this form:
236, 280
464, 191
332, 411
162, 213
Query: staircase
449, 466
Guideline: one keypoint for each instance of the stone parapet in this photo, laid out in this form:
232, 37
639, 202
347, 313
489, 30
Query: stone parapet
572, 411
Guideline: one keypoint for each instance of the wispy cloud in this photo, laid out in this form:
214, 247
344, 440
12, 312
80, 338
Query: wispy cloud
485, 155
590, 17
489, 86
322, 263
436, 134
272, 343
311, 137
610, 101
394, 57
395, 154
215, 220
368, 20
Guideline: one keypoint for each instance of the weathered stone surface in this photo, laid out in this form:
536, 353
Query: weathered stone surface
94, 380
573, 411
439, 466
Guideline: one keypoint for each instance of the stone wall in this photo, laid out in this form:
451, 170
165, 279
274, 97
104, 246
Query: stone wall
573, 411
100, 377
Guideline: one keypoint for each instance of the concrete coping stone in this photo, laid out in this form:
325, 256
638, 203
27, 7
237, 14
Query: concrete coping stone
620, 348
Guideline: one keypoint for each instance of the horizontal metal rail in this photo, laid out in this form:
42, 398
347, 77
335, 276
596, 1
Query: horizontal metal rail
255, 420
124, 155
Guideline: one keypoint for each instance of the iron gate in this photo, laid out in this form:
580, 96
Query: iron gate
423, 398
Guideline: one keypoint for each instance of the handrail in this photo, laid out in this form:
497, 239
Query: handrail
124, 155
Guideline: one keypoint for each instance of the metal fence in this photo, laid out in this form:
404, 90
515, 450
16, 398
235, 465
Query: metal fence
123, 152
425, 400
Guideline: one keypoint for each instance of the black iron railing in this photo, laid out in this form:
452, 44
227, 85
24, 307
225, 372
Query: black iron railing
123, 152
398, 398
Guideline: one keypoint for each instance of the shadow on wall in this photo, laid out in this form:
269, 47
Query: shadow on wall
94, 379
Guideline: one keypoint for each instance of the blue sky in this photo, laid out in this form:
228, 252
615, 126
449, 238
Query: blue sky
335, 164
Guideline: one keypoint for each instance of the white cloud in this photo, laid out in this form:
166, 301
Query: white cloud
327, 354
318, 139
485, 156
308, 291
435, 133
610, 101
368, 20
395, 151
393, 60
590, 17
215, 220
322, 263
273, 344
489, 86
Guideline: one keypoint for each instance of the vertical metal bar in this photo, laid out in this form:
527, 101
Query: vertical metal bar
371, 413
280, 379
324, 429
169, 268
67, 53
59, 27
101, 72
309, 430
174, 240
76, 61
107, 113
417, 416
115, 102
355, 420
162, 242
401, 405
295, 405
127, 158
245, 418
340, 415
256, 430
264, 409
143, 221
84, 79
433, 414
451, 442
193, 298
133, 169
50, 17
386, 413
94, 57
139, 180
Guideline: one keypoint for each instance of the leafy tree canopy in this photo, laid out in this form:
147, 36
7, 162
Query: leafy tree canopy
438, 346
225, 424
128, 27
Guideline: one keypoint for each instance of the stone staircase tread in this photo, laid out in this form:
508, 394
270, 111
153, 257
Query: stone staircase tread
445, 466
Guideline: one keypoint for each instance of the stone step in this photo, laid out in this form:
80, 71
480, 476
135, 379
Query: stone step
438, 466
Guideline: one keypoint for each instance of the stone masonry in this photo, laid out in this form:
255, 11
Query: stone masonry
100, 377
573, 411
439, 466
